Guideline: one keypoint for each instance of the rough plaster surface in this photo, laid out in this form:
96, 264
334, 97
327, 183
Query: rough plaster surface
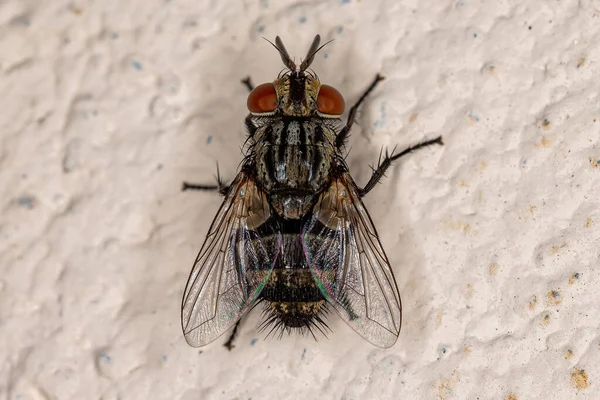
494, 238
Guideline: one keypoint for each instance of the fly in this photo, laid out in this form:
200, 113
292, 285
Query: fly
293, 233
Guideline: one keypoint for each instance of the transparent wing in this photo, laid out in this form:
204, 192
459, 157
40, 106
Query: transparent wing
349, 265
231, 268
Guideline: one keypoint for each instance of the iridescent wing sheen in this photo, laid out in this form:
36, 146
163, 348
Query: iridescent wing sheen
232, 266
349, 265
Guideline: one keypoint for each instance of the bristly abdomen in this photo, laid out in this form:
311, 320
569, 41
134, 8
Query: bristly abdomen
293, 316
292, 300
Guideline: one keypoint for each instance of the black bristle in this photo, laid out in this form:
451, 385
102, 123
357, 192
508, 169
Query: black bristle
303, 325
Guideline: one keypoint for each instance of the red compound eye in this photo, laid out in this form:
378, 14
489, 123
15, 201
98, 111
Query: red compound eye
330, 101
262, 98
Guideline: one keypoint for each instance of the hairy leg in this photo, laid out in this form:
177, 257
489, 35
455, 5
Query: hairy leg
341, 138
229, 343
248, 83
382, 166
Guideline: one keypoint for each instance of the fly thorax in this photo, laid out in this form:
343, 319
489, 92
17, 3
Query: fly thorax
294, 153
292, 205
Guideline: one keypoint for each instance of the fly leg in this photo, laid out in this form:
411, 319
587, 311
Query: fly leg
341, 138
229, 343
248, 83
382, 166
220, 187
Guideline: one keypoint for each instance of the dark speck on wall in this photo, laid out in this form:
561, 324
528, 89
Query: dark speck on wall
137, 65
27, 201
105, 357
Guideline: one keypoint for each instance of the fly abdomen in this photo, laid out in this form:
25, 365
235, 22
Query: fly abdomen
293, 301
295, 315
291, 285
291, 295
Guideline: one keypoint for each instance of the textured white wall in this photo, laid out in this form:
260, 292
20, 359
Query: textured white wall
494, 238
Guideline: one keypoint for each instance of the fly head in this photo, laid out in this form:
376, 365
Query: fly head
297, 92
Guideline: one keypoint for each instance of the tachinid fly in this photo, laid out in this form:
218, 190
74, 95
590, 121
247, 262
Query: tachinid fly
293, 233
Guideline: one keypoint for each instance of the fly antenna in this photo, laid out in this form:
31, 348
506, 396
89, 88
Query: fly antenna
314, 49
285, 57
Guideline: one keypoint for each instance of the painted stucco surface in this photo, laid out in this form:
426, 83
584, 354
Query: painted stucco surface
107, 106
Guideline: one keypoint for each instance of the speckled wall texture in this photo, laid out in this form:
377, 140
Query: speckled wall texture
494, 238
